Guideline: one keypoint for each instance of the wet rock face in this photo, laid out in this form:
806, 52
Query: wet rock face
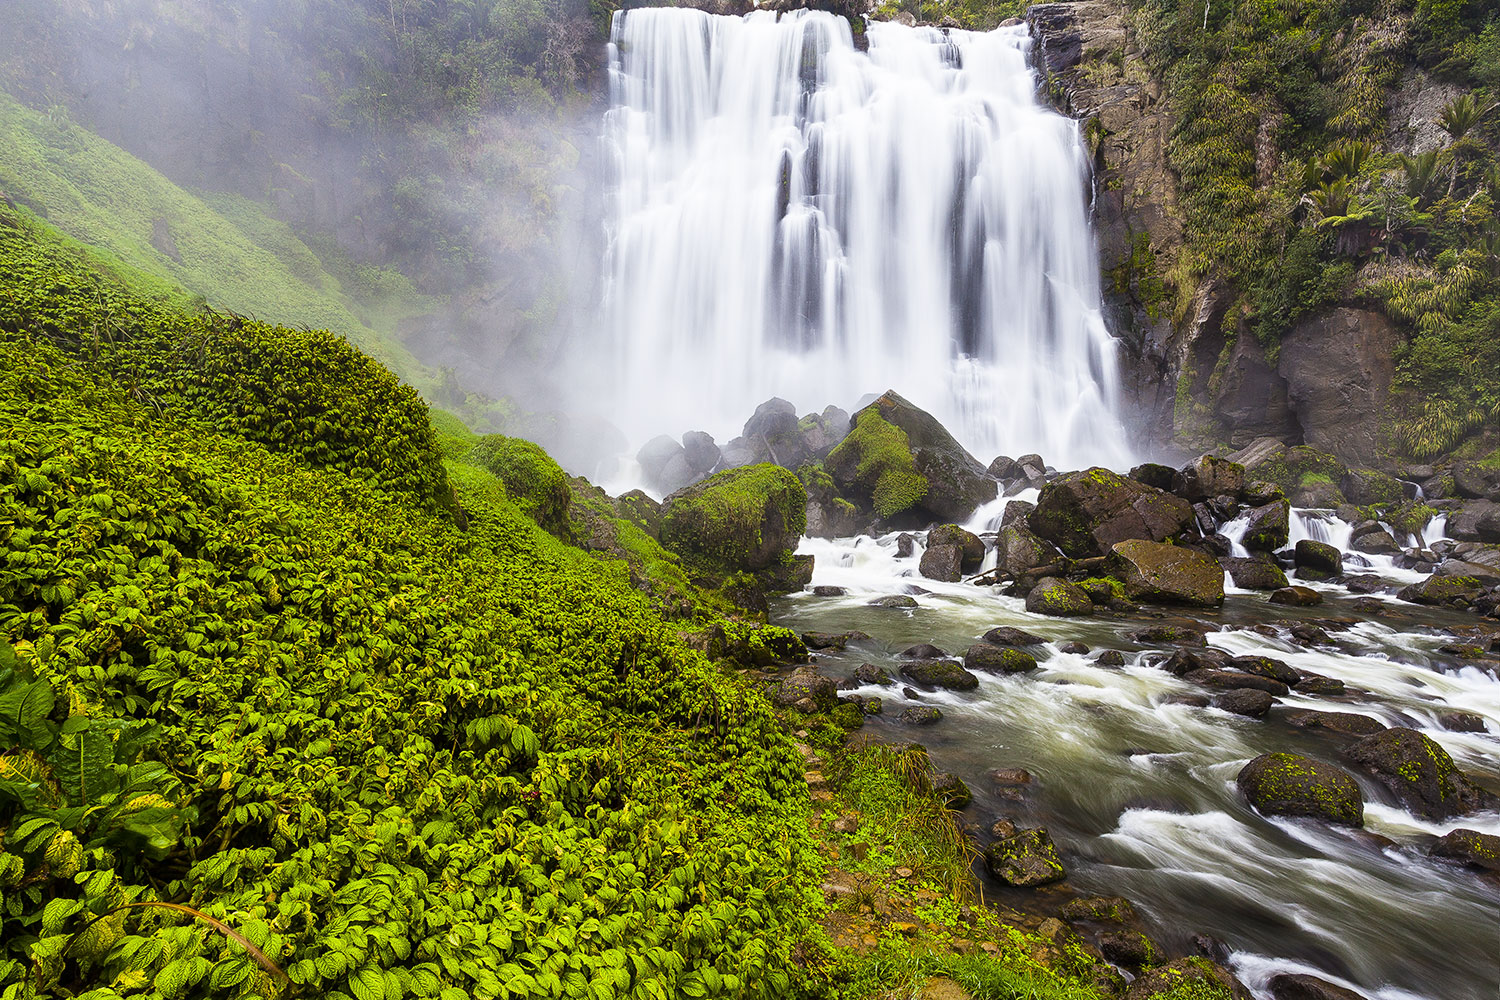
1338, 368
1283, 784
1167, 573
1419, 773
1085, 513
1025, 859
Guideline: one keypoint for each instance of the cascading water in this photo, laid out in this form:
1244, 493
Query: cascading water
793, 217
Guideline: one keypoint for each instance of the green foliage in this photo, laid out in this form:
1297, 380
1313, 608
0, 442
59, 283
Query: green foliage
725, 518
453, 436
398, 757
885, 469
537, 484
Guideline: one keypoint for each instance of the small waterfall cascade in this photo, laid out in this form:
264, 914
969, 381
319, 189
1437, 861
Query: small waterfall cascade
789, 216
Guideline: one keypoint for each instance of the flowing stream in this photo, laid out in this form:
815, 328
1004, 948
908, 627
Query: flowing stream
1138, 790
792, 217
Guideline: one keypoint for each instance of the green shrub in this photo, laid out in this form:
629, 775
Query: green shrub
537, 484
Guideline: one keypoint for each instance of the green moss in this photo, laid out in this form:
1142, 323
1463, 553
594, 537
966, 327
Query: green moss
537, 483
719, 525
884, 465
453, 436
1314, 479
1103, 589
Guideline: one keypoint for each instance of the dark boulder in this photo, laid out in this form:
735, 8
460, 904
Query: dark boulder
1265, 666
1343, 723
1473, 481
1152, 571
1006, 635
970, 544
1462, 722
1110, 658
641, 511
924, 651
1268, 527
1018, 513
920, 715
1027, 858
1371, 488
894, 601
1075, 648
900, 458
1254, 573
1283, 784
1318, 560
1179, 634
1155, 475
1419, 772
1005, 469
939, 674
1298, 986
1085, 513
1478, 850
700, 452
1476, 521
773, 435
1446, 591
1245, 701
950, 788
942, 562
1019, 551
998, 659
827, 590
1301, 597
1376, 543
1230, 680
869, 673
807, 689
906, 545
1209, 476
1058, 597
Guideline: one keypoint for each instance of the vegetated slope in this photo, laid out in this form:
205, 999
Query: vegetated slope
1305, 184
223, 248
250, 663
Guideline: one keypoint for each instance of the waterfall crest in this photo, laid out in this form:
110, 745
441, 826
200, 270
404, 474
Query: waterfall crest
790, 216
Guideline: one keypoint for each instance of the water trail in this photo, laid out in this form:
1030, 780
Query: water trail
790, 216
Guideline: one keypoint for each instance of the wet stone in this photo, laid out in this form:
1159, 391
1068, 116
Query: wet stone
1301, 597
1245, 701
1075, 648
1110, 658
924, 651
1006, 635
894, 601
1344, 723
1462, 722
920, 715
825, 590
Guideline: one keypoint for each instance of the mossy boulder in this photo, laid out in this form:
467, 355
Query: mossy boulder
939, 674
807, 690
1025, 859
1318, 560
951, 789
640, 510
970, 544
1085, 513
1284, 784
1103, 590
1268, 527
920, 715
1265, 666
1055, 596
942, 562
1419, 772
537, 484
1152, 571
1187, 979
1210, 476
1372, 488
898, 458
1476, 521
745, 519
1444, 591
1018, 551
1478, 850
1254, 573
998, 659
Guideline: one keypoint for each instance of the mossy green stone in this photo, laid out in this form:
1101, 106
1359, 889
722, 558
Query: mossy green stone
1284, 784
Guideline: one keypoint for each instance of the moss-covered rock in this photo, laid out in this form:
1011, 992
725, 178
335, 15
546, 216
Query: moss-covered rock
1478, 850
1025, 859
1284, 784
1254, 573
1318, 560
1055, 596
741, 519
1419, 772
1297, 597
971, 545
1155, 572
939, 674
998, 659
537, 484
1372, 488
1187, 979
807, 690
1210, 476
1084, 513
1268, 527
951, 789
1103, 590
1447, 591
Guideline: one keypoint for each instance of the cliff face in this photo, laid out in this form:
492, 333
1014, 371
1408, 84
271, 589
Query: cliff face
1196, 376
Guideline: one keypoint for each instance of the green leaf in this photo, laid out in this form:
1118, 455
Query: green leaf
368, 984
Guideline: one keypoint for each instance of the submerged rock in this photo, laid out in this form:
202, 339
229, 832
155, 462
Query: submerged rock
1086, 513
1026, 858
1283, 784
1419, 772
1156, 572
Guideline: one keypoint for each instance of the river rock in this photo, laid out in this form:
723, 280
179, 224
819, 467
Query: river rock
1006, 635
924, 651
828, 590
1268, 527
1376, 543
1289, 986
1343, 723
806, 685
998, 659
1075, 648
1110, 658
1209, 476
1476, 521
1058, 597
920, 715
1017, 512
869, 673
1155, 475
1155, 572
894, 601
1300, 597
956, 484
1245, 701
1086, 513
1455, 591
942, 562
1478, 850
1265, 666
1419, 772
1232, 679
1484, 573
1187, 977
1371, 488
1018, 551
1184, 661
951, 789
1025, 859
700, 451
1462, 722
1178, 634
970, 544
1318, 560
939, 674
1254, 573
1283, 784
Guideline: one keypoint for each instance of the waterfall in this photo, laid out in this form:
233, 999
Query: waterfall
791, 216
